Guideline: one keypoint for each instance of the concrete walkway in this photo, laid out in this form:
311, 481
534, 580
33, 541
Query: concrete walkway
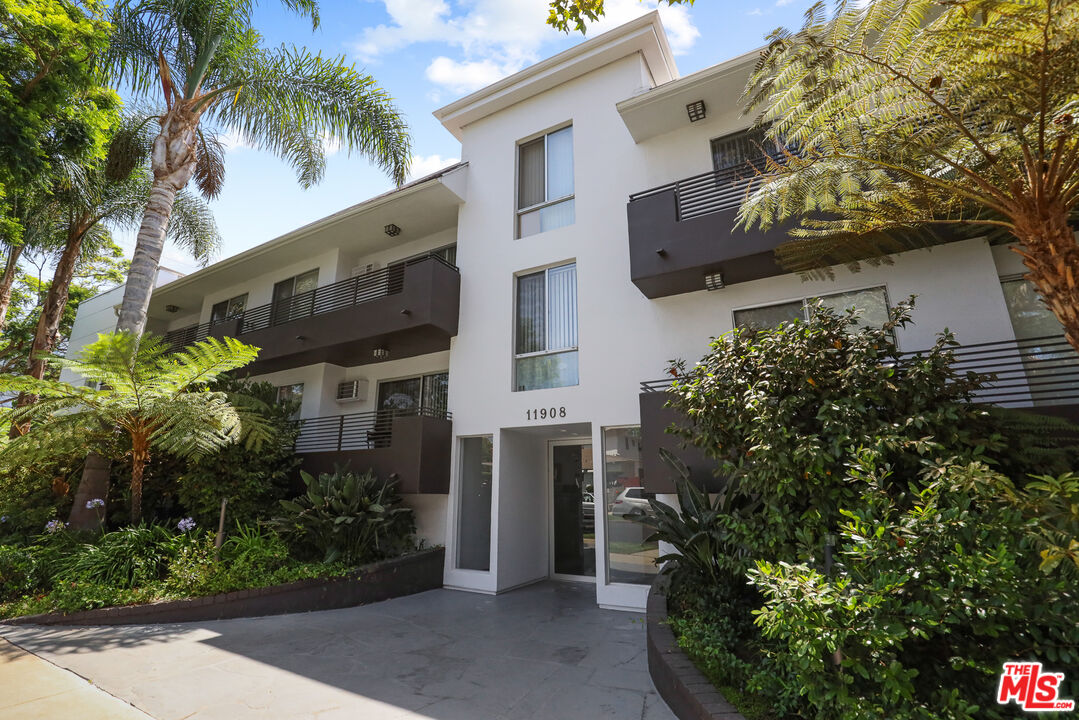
32, 689
542, 652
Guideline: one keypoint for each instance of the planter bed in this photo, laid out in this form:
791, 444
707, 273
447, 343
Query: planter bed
383, 580
686, 690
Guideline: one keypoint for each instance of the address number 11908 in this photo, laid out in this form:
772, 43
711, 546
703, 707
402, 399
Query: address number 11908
545, 413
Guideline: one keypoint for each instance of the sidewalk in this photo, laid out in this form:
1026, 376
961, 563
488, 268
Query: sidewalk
33, 689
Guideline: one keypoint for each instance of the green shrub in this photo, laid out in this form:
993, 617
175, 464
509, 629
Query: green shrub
125, 558
926, 601
252, 481
347, 517
783, 410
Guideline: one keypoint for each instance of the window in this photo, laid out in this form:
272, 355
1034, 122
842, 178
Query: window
1049, 364
474, 516
546, 329
872, 302
630, 550
294, 298
746, 149
545, 183
228, 309
411, 394
291, 394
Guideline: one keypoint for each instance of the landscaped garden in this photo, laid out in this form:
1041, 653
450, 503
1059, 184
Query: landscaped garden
881, 545
183, 436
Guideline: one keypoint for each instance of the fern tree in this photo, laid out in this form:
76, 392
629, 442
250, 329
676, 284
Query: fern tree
141, 399
912, 120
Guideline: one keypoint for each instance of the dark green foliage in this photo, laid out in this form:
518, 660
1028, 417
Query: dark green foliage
943, 568
347, 517
252, 481
928, 598
126, 558
783, 410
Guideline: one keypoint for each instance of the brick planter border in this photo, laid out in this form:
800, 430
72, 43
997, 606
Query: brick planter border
682, 686
383, 580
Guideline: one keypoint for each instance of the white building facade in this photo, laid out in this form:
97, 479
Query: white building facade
481, 335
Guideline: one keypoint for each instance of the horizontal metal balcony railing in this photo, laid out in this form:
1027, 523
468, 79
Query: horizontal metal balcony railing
379, 283
356, 431
712, 191
1039, 371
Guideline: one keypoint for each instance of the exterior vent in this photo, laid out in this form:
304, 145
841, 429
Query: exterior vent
352, 390
364, 269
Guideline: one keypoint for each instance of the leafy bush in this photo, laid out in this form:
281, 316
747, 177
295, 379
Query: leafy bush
126, 558
926, 602
347, 517
825, 436
783, 410
253, 481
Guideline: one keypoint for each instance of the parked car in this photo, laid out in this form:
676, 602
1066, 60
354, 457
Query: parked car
629, 500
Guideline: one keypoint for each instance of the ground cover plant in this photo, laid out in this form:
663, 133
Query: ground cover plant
866, 556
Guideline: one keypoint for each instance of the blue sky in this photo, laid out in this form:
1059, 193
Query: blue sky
426, 53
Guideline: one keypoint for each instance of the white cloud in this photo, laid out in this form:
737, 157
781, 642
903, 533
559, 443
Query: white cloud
422, 165
233, 140
467, 76
495, 38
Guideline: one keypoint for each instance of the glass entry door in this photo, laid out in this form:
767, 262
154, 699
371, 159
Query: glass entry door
573, 511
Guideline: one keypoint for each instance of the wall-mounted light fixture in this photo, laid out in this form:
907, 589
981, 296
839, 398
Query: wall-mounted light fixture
381, 353
713, 281
172, 308
392, 230
406, 311
695, 110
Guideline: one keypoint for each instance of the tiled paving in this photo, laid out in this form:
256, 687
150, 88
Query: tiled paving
542, 652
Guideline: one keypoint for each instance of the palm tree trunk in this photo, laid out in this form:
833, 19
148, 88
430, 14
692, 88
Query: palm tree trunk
8, 281
1051, 254
140, 455
172, 159
173, 162
52, 312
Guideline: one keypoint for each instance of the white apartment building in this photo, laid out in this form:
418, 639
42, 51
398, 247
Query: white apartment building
481, 335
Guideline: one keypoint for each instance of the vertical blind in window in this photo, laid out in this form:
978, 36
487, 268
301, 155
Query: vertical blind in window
532, 188
562, 310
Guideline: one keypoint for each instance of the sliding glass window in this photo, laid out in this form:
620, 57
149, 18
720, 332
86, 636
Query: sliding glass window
545, 354
545, 183
474, 511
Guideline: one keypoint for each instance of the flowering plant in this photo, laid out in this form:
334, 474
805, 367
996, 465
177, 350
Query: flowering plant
55, 526
185, 524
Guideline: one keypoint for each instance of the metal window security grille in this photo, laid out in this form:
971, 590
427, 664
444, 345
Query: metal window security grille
328, 298
739, 161
355, 431
1041, 371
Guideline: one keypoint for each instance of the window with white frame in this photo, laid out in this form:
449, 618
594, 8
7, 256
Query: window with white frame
872, 304
545, 183
545, 352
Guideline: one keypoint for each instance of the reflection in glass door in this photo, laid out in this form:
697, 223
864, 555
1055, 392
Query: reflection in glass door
573, 514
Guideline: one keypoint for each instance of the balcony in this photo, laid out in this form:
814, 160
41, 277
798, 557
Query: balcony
410, 447
1040, 375
682, 231
409, 308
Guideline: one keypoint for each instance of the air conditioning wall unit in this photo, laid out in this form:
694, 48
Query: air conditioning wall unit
352, 390
364, 269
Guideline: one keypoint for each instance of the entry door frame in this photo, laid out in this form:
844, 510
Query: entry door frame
551, 445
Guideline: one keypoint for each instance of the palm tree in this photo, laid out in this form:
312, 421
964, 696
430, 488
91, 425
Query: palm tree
143, 399
912, 117
82, 209
205, 63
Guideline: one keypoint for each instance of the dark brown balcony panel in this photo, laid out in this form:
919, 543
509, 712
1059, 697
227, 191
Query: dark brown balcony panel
657, 475
411, 449
1038, 375
408, 309
680, 232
